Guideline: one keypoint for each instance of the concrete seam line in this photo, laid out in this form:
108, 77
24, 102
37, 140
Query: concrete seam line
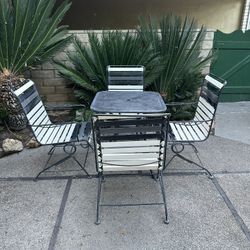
67, 177
233, 210
56, 229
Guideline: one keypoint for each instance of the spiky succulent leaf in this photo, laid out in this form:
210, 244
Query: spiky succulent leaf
89, 63
178, 43
30, 32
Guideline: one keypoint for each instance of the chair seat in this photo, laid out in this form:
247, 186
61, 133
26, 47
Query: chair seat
62, 133
189, 131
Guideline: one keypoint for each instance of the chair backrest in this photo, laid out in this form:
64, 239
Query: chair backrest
208, 102
125, 78
33, 108
130, 142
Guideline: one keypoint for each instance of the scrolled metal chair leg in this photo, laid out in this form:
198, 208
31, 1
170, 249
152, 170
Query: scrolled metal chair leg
177, 151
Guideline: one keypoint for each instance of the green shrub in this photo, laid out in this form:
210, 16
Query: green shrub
86, 66
178, 43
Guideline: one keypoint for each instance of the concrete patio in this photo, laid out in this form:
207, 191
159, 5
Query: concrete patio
58, 211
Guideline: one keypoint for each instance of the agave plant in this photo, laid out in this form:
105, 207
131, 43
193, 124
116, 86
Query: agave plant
178, 43
87, 65
30, 34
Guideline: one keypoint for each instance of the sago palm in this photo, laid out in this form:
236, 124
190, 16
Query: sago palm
30, 34
178, 43
87, 65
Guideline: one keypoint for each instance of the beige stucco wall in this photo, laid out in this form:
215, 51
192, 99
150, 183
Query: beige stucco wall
55, 89
224, 15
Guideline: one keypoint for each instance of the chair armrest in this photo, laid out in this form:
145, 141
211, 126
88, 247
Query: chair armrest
192, 122
59, 107
173, 104
53, 124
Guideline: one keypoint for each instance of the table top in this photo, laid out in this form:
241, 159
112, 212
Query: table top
128, 102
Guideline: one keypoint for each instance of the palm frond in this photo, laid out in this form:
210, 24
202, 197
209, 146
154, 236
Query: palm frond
111, 48
30, 32
178, 43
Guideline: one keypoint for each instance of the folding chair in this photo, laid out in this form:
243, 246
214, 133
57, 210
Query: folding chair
186, 133
130, 143
125, 78
64, 135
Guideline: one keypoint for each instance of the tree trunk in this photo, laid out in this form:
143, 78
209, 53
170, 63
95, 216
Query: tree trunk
16, 118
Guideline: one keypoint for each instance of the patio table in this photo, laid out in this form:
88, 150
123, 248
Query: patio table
128, 102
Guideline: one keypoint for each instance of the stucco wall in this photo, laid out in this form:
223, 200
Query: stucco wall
116, 14
55, 89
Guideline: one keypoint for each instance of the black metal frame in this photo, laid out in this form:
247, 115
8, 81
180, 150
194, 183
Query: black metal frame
96, 138
28, 99
70, 155
175, 143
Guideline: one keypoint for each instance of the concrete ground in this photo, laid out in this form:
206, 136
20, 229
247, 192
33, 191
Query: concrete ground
58, 211
233, 121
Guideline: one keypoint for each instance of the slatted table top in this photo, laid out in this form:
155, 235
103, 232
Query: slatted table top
128, 102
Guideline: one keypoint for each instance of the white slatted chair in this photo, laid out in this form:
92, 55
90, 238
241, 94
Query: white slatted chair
46, 133
184, 133
125, 78
130, 143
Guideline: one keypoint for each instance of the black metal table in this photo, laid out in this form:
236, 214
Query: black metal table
128, 102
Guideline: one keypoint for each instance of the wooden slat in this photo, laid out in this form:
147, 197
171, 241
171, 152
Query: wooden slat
204, 127
53, 135
175, 132
214, 82
42, 116
37, 115
29, 99
41, 133
131, 156
23, 88
180, 131
26, 94
124, 150
195, 132
125, 87
114, 68
47, 135
125, 78
205, 110
204, 113
131, 143
34, 110
207, 105
68, 137
187, 133
132, 168
130, 130
64, 134
59, 134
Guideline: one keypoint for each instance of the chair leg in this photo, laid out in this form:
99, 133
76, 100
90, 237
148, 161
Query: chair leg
70, 153
52, 165
166, 221
177, 154
154, 176
166, 165
99, 191
84, 164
